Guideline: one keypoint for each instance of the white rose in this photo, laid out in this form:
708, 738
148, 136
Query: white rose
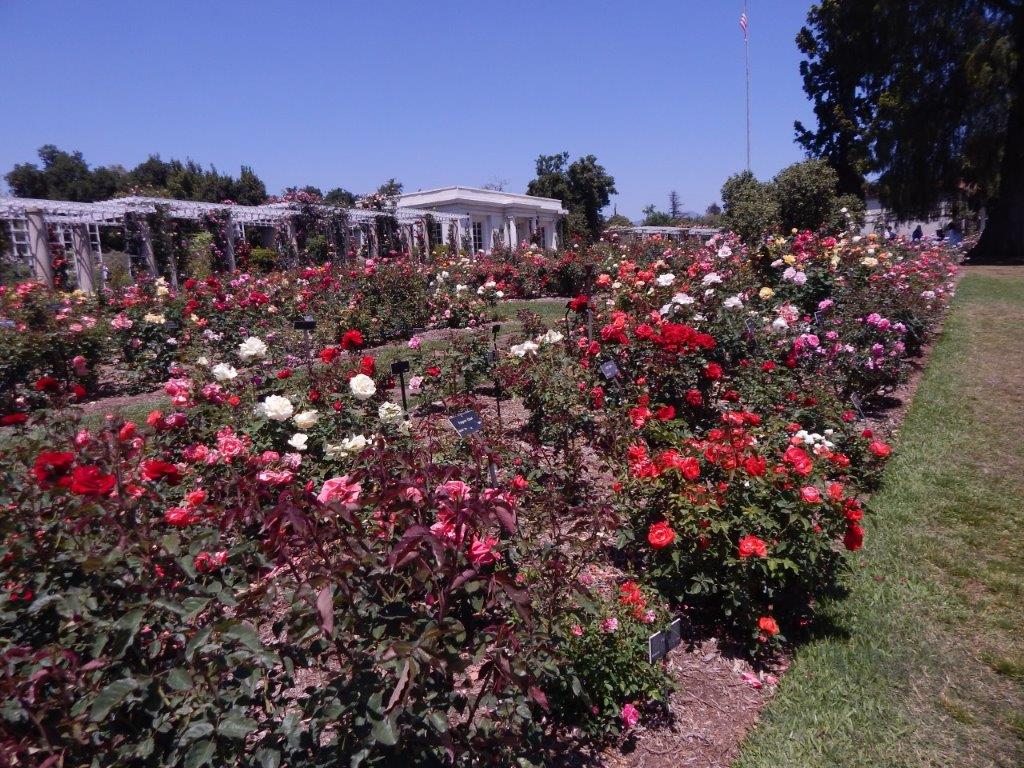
362, 386
667, 279
252, 348
150, 317
733, 302
298, 441
202, 361
277, 408
389, 413
223, 372
306, 419
353, 444
682, 299
711, 278
522, 350
780, 324
551, 337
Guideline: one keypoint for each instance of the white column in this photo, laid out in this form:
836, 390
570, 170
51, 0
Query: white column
513, 233
84, 260
552, 234
146, 246
229, 243
39, 246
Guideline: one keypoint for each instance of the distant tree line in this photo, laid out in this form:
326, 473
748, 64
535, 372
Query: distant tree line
62, 175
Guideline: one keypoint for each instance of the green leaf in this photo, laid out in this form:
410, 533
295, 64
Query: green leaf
110, 697
200, 754
179, 679
236, 727
197, 731
384, 732
246, 635
268, 758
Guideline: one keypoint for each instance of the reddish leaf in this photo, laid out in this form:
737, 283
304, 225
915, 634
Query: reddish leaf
325, 606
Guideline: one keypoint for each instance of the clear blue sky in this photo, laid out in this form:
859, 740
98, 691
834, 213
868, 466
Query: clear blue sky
433, 93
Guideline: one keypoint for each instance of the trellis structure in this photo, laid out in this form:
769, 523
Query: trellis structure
36, 227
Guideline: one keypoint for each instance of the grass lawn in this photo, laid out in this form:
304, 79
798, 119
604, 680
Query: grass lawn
923, 663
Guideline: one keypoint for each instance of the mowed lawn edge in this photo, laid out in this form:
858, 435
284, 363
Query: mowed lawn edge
922, 664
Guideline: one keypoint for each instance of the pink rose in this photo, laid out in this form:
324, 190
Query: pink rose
341, 490
481, 551
630, 716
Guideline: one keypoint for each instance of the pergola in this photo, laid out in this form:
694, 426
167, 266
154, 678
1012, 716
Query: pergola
76, 227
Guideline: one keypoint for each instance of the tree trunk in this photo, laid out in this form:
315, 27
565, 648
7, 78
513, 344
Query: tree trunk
1002, 242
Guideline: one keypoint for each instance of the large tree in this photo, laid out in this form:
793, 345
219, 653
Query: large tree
584, 187
928, 96
63, 176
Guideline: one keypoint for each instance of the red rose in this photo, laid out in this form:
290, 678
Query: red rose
666, 413
368, 366
352, 340
751, 546
660, 535
329, 355
284, 373
47, 384
755, 465
694, 398
854, 538
880, 449
11, 419
798, 459
810, 495
91, 481
179, 517
713, 371
433, 371
155, 469
52, 465
768, 625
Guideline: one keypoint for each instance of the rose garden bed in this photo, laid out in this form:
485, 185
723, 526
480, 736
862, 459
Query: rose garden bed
282, 567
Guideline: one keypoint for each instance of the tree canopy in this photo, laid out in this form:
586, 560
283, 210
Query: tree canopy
927, 98
584, 187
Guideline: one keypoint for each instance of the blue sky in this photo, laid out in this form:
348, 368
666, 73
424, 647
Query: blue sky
352, 93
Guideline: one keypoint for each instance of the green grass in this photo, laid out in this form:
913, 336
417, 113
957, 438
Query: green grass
923, 663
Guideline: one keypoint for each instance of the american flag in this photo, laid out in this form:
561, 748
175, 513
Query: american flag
743, 23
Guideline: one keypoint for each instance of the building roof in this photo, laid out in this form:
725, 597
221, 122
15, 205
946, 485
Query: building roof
460, 194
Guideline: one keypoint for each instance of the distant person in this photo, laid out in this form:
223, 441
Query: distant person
918, 233
953, 234
940, 234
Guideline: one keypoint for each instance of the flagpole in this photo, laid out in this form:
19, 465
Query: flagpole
746, 54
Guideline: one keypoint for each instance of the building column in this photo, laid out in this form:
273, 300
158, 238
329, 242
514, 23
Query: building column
39, 246
513, 233
552, 235
84, 260
229, 243
146, 246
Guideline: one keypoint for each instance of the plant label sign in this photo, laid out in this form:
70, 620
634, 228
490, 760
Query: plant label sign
609, 370
305, 323
8, 324
466, 423
819, 317
657, 646
400, 366
674, 634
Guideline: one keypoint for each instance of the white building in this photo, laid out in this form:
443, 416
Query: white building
493, 218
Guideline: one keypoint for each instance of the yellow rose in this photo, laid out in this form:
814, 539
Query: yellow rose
789, 258
869, 261
766, 293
